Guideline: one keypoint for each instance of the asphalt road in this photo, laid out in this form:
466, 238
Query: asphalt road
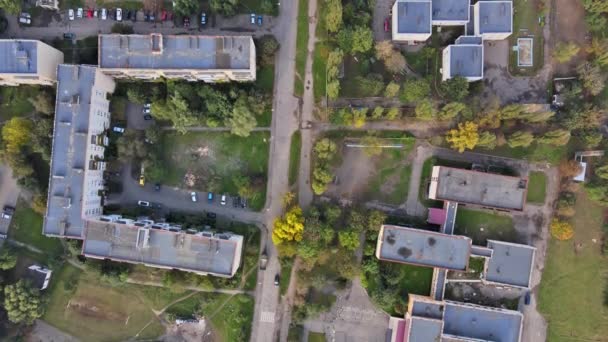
9, 191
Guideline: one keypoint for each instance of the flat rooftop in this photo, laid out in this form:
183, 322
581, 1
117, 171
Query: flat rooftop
414, 16
466, 60
161, 248
479, 188
427, 309
482, 323
175, 52
495, 16
424, 248
18, 56
468, 40
68, 160
424, 329
451, 10
510, 263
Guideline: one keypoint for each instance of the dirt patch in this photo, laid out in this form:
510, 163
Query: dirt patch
190, 332
353, 175
88, 308
570, 27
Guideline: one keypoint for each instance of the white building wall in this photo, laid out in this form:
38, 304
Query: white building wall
445, 64
48, 60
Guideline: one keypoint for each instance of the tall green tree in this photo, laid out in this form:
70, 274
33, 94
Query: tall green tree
16, 134
558, 137
8, 260
242, 121
520, 139
22, 303
425, 110
11, 6
224, 7
455, 89
186, 7
333, 15
415, 90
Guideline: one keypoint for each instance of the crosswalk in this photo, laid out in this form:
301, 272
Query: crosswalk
267, 317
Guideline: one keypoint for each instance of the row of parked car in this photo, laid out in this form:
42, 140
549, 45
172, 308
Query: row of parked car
117, 14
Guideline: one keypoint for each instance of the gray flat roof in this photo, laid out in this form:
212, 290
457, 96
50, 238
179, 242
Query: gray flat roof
174, 52
466, 60
427, 309
483, 323
424, 329
481, 188
18, 56
164, 248
424, 248
64, 207
414, 16
469, 40
495, 16
446, 10
510, 263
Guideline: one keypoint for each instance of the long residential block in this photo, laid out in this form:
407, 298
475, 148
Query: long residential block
25, 61
188, 57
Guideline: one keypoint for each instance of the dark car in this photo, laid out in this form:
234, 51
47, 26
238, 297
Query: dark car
527, 298
157, 186
277, 279
211, 215
204, 19
147, 117
260, 20
236, 201
244, 203
186, 21
69, 35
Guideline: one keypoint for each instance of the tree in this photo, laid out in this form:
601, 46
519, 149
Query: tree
43, 103
487, 140
268, 48
288, 228
243, 185
511, 112
599, 49
583, 118
41, 137
564, 52
455, 88
358, 117
242, 121
349, 240
569, 168
333, 89
425, 110
520, 139
384, 49
153, 134
22, 303
373, 145
377, 113
591, 137
333, 15
451, 110
16, 134
395, 63
224, 7
592, 77
537, 117
372, 85
415, 90
602, 172
595, 6
392, 89
11, 6
176, 110
393, 113
561, 230
325, 149
8, 260
558, 137
131, 146
362, 39
186, 7
39, 204
466, 136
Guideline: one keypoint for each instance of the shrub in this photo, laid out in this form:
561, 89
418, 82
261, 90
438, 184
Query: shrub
415, 90
561, 230
564, 52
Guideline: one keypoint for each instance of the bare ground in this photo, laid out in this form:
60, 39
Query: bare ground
570, 27
353, 175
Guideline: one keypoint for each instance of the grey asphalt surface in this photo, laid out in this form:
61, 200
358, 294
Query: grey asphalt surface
9, 191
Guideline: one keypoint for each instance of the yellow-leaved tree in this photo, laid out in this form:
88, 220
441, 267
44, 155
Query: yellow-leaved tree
466, 136
561, 230
289, 227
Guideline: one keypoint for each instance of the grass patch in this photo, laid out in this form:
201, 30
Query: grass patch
526, 25
319, 70
535, 152
316, 337
390, 183
255, 6
416, 279
265, 78
286, 266
26, 227
571, 293
228, 156
15, 101
301, 47
295, 333
537, 187
480, 226
294, 156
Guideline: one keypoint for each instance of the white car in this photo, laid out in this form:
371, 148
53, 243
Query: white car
104, 14
118, 14
223, 200
71, 14
25, 18
253, 18
194, 196
79, 12
143, 203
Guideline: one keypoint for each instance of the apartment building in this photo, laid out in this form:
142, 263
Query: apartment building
24, 61
188, 57
82, 117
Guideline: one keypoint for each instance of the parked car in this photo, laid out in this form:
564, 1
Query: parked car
157, 187
204, 19
387, 24
211, 215
95, 13
152, 17
194, 196
104, 14
210, 197
71, 36
527, 298
79, 12
260, 20
277, 279
235, 201
25, 18
89, 13
223, 200
146, 110
253, 18
147, 105
244, 203
143, 203
118, 14
71, 14
142, 180
163, 15
116, 129
147, 117
186, 21
8, 212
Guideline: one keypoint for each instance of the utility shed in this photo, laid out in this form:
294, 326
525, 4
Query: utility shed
423, 248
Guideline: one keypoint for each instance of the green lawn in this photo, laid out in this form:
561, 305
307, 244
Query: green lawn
535, 152
286, 266
526, 25
319, 70
265, 78
481, 225
216, 159
574, 284
537, 187
390, 183
416, 279
86, 308
294, 157
255, 6
15, 101
316, 337
301, 47
26, 227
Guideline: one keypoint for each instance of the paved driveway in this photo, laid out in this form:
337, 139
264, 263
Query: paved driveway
9, 190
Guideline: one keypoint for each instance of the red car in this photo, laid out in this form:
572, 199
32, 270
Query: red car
89, 13
163, 15
387, 24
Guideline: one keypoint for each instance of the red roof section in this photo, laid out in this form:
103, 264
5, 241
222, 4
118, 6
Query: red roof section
436, 216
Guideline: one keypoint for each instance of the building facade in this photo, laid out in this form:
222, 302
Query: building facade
24, 61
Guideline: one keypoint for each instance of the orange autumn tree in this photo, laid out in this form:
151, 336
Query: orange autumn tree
561, 230
289, 227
